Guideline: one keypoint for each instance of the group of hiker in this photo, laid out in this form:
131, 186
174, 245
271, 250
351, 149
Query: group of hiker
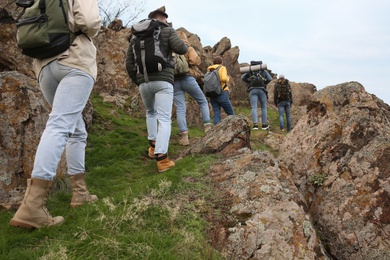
66, 78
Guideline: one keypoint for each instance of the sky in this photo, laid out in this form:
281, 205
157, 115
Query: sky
320, 42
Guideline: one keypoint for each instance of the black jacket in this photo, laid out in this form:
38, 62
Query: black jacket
172, 43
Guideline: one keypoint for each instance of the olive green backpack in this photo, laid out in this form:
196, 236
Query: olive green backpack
42, 28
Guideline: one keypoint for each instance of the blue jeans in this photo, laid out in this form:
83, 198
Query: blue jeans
67, 91
157, 97
255, 95
188, 84
284, 108
221, 101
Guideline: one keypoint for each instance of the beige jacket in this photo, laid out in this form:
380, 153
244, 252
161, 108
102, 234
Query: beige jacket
192, 56
84, 16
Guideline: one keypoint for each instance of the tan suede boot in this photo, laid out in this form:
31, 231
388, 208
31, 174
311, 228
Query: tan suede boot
163, 163
207, 127
183, 140
80, 193
32, 213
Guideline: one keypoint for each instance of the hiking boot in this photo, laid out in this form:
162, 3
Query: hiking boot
80, 194
32, 213
207, 127
264, 127
183, 140
151, 150
255, 127
163, 163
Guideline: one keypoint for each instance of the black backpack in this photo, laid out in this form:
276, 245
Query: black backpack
212, 83
256, 80
42, 28
149, 51
284, 90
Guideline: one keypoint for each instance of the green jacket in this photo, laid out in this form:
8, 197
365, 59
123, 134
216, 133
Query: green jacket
172, 43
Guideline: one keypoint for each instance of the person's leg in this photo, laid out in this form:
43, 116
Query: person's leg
281, 115
253, 98
164, 99
192, 88
263, 103
75, 148
67, 90
225, 103
180, 103
288, 115
148, 99
216, 109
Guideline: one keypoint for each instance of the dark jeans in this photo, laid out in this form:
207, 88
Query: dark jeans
284, 108
221, 101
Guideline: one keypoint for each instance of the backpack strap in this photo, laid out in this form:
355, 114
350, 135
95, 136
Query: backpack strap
142, 46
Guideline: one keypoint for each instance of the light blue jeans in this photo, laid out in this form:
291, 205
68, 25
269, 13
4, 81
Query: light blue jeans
67, 91
188, 84
255, 95
157, 97
224, 102
284, 108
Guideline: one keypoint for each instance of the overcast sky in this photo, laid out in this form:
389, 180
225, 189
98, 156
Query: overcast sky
320, 42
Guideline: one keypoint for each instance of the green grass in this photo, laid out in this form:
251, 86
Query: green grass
140, 214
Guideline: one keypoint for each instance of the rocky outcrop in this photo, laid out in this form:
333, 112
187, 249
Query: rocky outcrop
23, 115
338, 155
263, 214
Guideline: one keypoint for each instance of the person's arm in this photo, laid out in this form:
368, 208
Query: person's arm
223, 76
86, 16
192, 57
276, 94
267, 77
176, 44
245, 77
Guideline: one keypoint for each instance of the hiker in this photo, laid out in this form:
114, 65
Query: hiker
185, 82
221, 100
66, 81
257, 82
157, 94
283, 101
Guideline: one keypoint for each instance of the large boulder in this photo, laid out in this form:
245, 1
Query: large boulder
338, 154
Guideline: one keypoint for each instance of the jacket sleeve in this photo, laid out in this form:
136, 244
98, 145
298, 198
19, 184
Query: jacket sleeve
291, 98
176, 44
192, 57
86, 16
276, 94
245, 77
267, 77
223, 76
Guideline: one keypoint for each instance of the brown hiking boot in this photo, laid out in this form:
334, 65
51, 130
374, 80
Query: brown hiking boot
163, 163
80, 194
183, 140
151, 152
32, 213
151, 149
